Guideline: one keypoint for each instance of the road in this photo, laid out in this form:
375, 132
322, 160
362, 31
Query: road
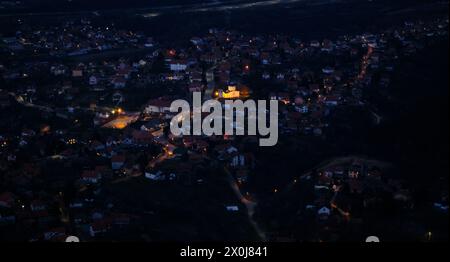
120, 122
21, 101
250, 205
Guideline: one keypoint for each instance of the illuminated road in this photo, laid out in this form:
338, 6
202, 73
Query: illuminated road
21, 101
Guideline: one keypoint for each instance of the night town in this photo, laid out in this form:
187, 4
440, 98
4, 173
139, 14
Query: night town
86, 142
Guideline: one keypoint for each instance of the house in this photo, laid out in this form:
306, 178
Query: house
232, 208
117, 97
324, 212
178, 65
117, 162
195, 77
91, 177
230, 93
124, 71
7, 219
99, 227
152, 125
120, 219
28, 133
55, 234
441, 206
315, 43
196, 41
328, 70
210, 58
265, 58
231, 150
93, 81
78, 72
237, 160
158, 176
284, 97
76, 204
37, 206
159, 105
332, 100
175, 76
119, 82
7, 199
327, 46
195, 87
67, 85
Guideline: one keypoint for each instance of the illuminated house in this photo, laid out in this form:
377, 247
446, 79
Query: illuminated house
230, 93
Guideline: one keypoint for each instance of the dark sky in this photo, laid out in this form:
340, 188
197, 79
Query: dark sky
108, 4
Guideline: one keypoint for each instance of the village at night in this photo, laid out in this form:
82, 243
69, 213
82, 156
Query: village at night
344, 136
